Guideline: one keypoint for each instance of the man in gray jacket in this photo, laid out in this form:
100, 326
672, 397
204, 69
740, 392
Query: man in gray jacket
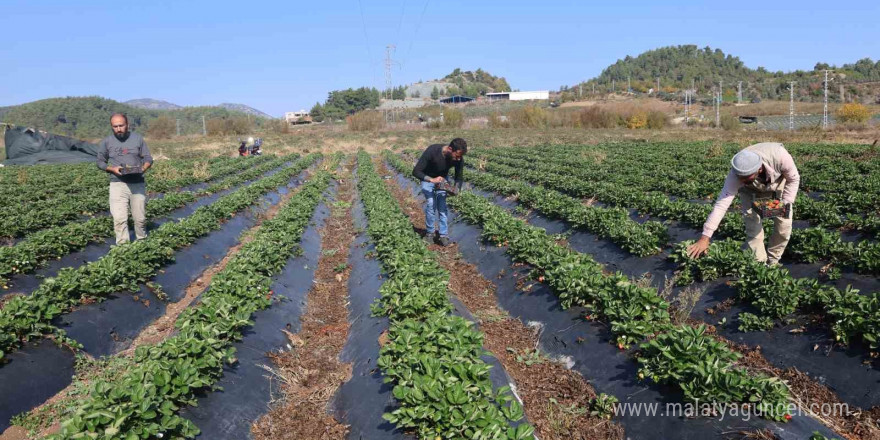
126, 157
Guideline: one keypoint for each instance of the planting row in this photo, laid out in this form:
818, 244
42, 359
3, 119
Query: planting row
143, 402
37, 249
612, 223
776, 294
697, 169
27, 217
433, 359
669, 353
806, 244
26, 184
125, 266
680, 170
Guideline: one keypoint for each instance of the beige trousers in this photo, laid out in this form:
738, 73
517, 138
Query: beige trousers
755, 230
122, 197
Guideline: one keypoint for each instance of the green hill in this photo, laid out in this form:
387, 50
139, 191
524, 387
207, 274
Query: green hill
679, 67
477, 82
89, 117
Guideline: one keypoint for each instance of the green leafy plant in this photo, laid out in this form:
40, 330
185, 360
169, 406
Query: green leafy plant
749, 322
603, 406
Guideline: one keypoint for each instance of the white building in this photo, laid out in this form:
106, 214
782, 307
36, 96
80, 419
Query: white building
292, 117
518, 96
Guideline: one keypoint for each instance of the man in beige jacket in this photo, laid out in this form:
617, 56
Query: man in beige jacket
760, 171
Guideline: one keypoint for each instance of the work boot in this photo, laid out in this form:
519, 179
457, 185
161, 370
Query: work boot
444, 241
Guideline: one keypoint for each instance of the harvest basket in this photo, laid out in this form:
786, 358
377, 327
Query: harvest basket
768, 208
127, 169
445, 186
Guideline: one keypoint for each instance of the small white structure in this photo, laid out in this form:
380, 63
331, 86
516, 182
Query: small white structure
518, 96
292, 117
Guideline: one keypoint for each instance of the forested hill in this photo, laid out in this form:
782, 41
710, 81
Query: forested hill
477, 82
89, 117
680, 66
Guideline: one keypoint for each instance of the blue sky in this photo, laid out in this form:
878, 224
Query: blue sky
283, 56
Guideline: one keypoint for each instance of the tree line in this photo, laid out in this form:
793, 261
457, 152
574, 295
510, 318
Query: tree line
686, 66
89, 117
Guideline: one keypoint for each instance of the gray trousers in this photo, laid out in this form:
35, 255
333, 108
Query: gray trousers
122, 197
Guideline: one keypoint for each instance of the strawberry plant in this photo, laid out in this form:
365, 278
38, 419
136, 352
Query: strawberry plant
433, 359
143, 402
677, 354
776, 294
749, 322
125, 267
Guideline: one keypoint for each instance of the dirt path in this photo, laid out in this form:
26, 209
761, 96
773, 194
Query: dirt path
508, 338
50, 414
311, 371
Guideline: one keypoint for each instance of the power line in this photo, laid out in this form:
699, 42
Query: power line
400, 24
367, 42
418, 26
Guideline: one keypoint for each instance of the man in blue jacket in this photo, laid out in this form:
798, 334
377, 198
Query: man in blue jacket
125, 156
432, 169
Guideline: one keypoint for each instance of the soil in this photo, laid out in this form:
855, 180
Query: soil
311, 371
856, 425
507, 338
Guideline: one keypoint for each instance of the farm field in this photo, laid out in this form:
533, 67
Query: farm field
292, 296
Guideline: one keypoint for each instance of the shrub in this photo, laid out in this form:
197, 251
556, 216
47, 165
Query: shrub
595, 117
637, 121
657, 119
227, 126
853, 113
365, 121
162, 127
730, 122
453, 118
529, 116
495, 121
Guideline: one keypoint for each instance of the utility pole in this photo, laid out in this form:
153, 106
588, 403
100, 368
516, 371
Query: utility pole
687, 109
204, 127
718, 109
389, 49
613, 88
594, 88
791, 108
629, 88
580, 90
825, 107
739, 92
658, 84
178, 127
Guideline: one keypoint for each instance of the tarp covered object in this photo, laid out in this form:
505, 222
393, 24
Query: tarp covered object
26, 146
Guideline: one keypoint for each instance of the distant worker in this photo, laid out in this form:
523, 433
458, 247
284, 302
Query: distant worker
126, 157
432, 169
242, 149
257, 144
760, 171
